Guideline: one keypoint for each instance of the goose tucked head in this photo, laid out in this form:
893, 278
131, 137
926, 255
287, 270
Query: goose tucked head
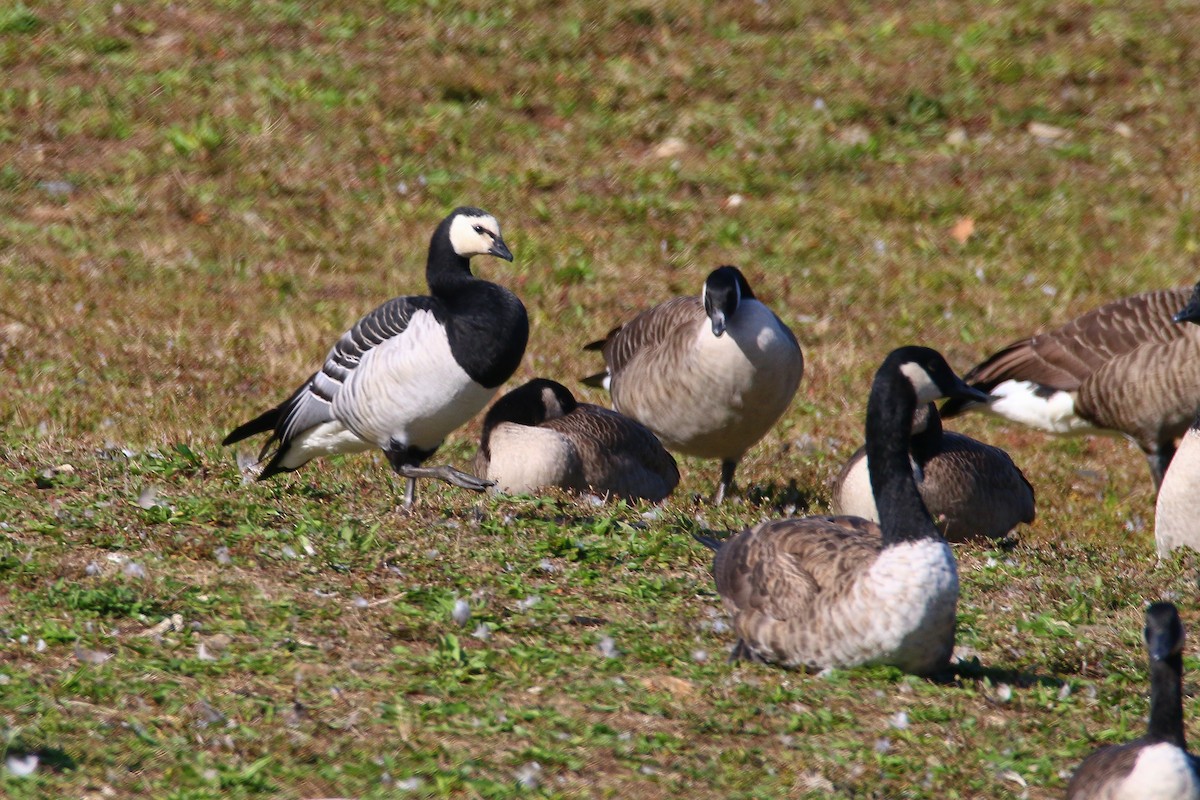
932, 378
724, 289
1190, 312
1164, 631
531, 403
474, 232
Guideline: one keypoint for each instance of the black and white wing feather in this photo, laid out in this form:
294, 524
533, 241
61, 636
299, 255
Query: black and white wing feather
312, 404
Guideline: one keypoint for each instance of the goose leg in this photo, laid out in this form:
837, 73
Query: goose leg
444, 473
727, 469
741, 652
406, 461
1159, 459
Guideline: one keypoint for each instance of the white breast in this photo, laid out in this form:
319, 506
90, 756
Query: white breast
410, 389
910, 597
525, 458
1162, 772
1020, 402
1177, 510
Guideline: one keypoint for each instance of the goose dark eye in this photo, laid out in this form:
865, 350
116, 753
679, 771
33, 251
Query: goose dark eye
480, 230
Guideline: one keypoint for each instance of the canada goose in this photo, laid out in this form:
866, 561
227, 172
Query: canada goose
410, 371
971, 489
537, 435
834, 591
1157, 766
709, 375
1121, 368
1177, 511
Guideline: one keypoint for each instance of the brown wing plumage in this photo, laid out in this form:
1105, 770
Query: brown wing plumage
781, 567
973, 489
1100, 775
618, 455
1150, 393
649, 328
1065, 357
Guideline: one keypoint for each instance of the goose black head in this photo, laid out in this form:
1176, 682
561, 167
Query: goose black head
531, 403
474, 232
1190, 312
1164, 631
931, 377
724, 289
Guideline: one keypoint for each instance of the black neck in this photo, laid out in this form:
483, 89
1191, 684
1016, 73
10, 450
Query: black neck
445, 270
1166, 701
928, 442
902, 514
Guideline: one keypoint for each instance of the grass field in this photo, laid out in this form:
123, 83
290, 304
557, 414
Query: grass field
197, 198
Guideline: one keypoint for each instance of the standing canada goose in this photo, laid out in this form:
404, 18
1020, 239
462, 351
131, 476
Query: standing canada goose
971, 489
1121, 368
709, 375
840, 591
411, 371
1177, 511
537, 435
1157, 766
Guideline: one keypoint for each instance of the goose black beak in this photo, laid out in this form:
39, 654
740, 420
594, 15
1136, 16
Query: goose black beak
1189, 313
717, 318
967, 393
500, 250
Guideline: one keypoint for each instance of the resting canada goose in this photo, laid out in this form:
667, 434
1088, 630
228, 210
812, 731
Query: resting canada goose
1177, 511
537, 435
1157, 766
1122, 368
840, 591
971, 489
709, 375
411, 371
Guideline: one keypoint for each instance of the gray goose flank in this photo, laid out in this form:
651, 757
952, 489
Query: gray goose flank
411, 371
830, 591
539, 435
1177, 510
1157, 766
1121, 368
709, 375
971, 489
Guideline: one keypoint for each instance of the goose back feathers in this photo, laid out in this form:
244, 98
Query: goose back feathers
971, 489
708, 375
835, 591
538, 435
411, 371
1157, 766
1123, 368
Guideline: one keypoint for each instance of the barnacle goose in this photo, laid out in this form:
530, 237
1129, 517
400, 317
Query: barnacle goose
411, 371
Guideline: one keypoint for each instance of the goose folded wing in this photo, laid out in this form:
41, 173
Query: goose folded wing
648, 329
312, 404
785, 567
